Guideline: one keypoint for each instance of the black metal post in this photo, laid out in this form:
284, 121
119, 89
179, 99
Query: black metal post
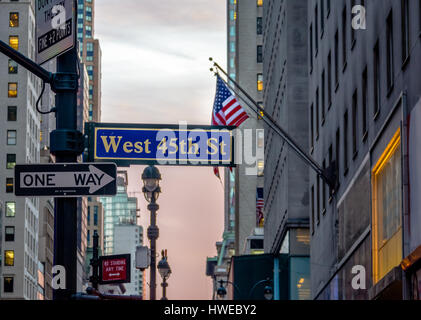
153, 234
64, 145
164, 286
95, 262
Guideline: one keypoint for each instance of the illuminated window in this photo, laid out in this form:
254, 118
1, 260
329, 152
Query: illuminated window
387, 206
10, 209
14, 42
14, 19
260, 138
9, 185
12, 67
260, 82
9, 258
11, 137
260, 168
12, 91
259, 3
11, 161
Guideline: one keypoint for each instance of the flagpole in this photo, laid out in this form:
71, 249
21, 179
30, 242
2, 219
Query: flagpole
284, 135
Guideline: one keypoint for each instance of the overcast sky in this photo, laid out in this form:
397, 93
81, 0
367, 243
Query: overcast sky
155, 69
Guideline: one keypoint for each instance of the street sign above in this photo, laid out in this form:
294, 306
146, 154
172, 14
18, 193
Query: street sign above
66, 179
127, 144
114, 269
55, 28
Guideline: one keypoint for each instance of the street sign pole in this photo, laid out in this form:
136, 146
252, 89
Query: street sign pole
65, 217
65, 145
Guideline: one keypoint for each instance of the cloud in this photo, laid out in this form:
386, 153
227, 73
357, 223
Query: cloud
155, 69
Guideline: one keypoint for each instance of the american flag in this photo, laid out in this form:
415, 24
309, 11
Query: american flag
227, 111
260, 203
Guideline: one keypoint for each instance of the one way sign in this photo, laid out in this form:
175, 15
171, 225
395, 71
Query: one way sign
66, 179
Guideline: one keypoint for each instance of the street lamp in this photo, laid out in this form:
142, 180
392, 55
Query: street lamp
151, 177
268, 291
165, 272
222, 292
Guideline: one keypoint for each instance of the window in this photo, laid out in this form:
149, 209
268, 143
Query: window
260, 82
9, 258
338, 144
311, 127
389, 40
14, 19
353, 40
12, 67
364, 105
10, 234
9, 185
14, 42
323, 97
324, 190
260, 168
387, 204
8, 284
329, 79
318, 199
311, 47
10, 209
405, 30
344, 28
376, 78
354, 123
316, 28
259, 25
89, 216
10, 161
312, 209
12, 113
12, 90
11, 137
346, 143
89, 237
317, 114
259, 54
95, 215
322, 16
337, 58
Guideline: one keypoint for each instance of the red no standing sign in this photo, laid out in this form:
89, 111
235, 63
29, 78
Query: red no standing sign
114, 269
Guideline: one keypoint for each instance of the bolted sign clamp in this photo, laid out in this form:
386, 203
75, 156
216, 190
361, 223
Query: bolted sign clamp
64, 82
66, 142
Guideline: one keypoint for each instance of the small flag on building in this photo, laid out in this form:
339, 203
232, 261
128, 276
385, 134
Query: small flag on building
227, 111
260, 203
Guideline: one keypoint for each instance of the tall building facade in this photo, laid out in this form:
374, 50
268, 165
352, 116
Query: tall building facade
119, 209
90, 52
128, 236
20, 127
89, 108
285, 98
364, 95
244, 56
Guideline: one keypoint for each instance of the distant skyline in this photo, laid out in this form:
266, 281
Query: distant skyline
155, 69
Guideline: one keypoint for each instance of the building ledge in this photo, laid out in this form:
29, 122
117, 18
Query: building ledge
389, 287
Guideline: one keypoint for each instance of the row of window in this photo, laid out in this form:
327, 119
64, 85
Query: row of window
95, 220
356, 111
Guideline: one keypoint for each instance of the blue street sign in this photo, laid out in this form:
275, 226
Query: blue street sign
160, 144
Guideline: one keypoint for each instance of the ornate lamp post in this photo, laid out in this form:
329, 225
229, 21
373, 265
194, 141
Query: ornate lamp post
151, 177
165, 272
